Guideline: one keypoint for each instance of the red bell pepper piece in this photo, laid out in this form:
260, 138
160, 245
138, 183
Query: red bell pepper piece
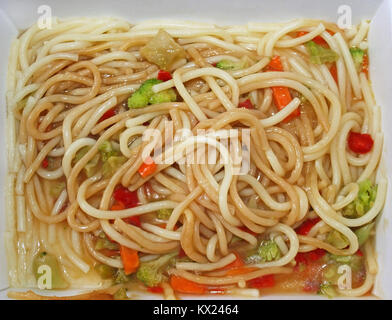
317, 254
334, 72
181, 253
45, 163
155, 289
318, 39
238, 262
267, 281
306, 226
360, 142
301, 258
108, 114
134, 220
164, 75
247, 104
128, 198
306, 257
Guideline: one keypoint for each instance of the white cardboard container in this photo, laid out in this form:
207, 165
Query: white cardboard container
19, 15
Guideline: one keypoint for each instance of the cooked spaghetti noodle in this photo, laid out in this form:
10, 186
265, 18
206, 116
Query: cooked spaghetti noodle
87, 191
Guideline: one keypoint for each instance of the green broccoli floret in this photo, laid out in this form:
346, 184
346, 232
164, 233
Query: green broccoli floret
363, 233
106, 150
357, 55
269, 250
336, 239
110, 158
168, 95
80, 154
105, 147
146, 87
105, 271
145, 96
367, 193
349, 211
105, 244
363, 202
226, 64
164, 214
91, 167
319, 54
326, 289
121, 277
111, 165
120, 294
141, 97
137, 100
151, 272
360, 208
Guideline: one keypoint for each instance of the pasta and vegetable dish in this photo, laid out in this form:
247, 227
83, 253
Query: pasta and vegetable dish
180, 158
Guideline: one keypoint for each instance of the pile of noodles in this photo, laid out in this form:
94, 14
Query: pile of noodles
62, 80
